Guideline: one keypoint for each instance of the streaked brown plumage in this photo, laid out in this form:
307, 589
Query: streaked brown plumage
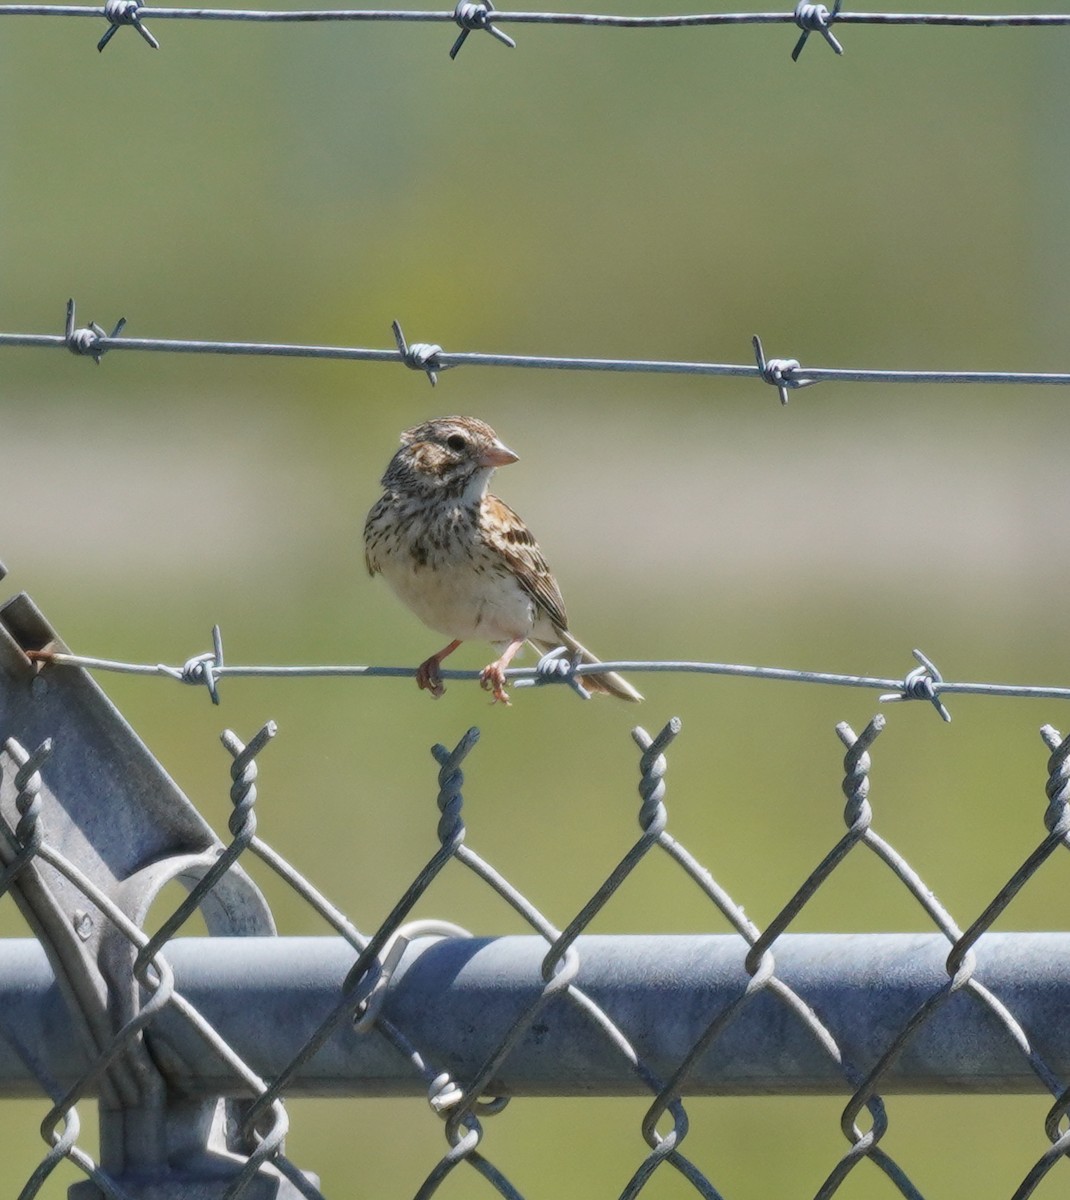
461, 559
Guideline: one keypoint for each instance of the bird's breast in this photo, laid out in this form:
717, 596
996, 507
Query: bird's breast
456, 584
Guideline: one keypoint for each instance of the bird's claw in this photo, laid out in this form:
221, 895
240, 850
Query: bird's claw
429, 679
492, 679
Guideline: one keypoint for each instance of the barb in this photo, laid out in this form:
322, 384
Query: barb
779, 372
471, 17
785, 374
923, 682
202, 669
421, 356
124, 12
91, 340
815, 18
558, 666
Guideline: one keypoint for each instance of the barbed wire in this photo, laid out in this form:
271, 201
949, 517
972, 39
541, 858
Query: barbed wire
783, 374
481, 15
923, 682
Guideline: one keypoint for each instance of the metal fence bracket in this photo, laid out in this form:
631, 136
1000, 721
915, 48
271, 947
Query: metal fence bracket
118, 830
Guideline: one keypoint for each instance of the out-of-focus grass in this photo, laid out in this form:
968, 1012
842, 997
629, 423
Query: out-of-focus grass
590, 193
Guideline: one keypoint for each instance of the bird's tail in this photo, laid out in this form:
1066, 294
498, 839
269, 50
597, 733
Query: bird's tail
611, 684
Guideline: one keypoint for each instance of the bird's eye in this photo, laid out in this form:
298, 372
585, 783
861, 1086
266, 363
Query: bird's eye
456, 442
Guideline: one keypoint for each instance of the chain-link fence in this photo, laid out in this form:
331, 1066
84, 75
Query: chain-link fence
189, 1044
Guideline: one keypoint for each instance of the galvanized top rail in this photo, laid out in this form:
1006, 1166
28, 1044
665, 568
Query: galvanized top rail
481, 15
783, 374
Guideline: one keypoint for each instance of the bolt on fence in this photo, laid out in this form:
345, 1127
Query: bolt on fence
188, 1044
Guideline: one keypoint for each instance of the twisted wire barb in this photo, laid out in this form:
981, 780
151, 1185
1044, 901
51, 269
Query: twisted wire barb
28, 786
429, 358
124, 12
471, 17
815, 18
923, 682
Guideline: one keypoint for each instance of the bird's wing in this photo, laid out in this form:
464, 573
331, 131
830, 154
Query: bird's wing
370, 531
506, 534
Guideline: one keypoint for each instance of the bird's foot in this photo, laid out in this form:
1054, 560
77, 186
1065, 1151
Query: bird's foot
492, 679
429, 678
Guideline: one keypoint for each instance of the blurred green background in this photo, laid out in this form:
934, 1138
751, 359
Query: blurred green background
592, 192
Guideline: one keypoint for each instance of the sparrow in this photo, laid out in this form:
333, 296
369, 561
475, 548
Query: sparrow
462, 560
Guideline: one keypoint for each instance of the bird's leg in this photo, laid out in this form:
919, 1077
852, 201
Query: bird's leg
427, 673
492, 677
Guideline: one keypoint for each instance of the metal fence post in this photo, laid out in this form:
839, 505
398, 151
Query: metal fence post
118, 830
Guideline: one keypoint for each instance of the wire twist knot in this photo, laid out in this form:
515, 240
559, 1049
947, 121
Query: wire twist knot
473, 17
778, 372
857, 813
420, 356
124, 12
87, 341
558, 666
444, 1093
652, 767
1057, 787
921, 684
450, 781
815, 18
201, 669
243, 771
28, 785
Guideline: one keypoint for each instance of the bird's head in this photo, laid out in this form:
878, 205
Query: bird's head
452, 455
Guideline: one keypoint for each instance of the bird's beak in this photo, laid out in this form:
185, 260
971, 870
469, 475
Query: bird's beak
497, 455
